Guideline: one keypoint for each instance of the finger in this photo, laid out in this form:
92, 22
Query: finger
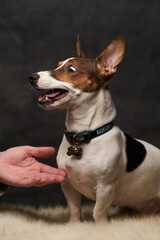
46, 179
48, 169
41, 180
41, 152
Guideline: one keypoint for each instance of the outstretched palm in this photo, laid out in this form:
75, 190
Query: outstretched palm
18, 167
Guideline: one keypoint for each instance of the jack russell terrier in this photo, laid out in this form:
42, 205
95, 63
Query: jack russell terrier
102, 162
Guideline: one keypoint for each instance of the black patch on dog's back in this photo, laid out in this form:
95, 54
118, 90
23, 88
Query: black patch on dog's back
135, 151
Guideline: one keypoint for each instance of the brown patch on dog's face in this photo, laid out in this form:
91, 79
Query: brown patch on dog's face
91, 74
82, 73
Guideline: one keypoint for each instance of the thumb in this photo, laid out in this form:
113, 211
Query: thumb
41, 152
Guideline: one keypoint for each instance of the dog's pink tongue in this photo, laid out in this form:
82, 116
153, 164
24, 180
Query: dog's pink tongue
52, 95
41, 98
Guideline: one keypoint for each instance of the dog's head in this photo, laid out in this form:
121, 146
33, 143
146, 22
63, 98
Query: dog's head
77, 75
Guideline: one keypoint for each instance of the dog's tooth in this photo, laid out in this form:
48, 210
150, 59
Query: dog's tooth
46, 98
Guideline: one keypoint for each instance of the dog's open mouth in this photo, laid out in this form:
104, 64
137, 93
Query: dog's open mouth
52, 95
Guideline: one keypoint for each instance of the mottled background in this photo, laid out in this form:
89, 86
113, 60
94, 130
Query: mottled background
35, 34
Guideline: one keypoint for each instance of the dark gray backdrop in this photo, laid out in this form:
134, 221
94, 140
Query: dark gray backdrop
35, 34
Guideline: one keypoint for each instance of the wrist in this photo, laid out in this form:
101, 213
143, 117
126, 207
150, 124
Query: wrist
1, 152
3, 187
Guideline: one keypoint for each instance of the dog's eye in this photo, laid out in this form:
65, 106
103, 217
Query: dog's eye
71, 69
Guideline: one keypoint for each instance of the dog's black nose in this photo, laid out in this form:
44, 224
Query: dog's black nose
33, 78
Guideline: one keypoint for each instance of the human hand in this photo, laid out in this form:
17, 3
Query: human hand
18, 167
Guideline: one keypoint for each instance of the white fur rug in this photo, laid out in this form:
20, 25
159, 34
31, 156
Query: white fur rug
27, 223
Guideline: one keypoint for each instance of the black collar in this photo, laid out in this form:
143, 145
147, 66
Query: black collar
76, 138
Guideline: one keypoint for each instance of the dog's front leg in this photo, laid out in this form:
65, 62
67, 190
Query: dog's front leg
73, 198
104, 197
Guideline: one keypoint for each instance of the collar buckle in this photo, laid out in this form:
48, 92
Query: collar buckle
76, 140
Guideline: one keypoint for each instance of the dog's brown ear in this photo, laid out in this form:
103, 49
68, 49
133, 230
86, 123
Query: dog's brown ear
108, 61
80, 52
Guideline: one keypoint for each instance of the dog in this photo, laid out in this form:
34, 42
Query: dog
102, 162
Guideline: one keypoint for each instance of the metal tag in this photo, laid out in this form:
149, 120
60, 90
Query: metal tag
74, 150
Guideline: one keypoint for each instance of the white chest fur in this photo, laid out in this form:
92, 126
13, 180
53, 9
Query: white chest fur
95, 164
